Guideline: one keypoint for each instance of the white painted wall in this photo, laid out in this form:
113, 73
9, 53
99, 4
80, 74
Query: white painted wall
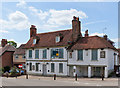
48, 54
56, 61
56, 68
87, 59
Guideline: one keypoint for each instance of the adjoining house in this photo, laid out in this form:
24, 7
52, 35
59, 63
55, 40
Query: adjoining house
6, 54
19, 57
68, 52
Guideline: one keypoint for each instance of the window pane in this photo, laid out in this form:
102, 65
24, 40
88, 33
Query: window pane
36, 54
34, 41
52, 67
70, 54
57, 38
37, 65
102, 54
30, 53
45, 53
60, 68
16, 56
56, 53
60, 53
30, 68
80, 54
94, 54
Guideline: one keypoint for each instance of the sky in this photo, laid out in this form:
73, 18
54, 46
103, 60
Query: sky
98, 18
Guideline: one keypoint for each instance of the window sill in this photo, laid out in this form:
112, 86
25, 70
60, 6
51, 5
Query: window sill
94, 60
57, 58
44, 58
79, 60
61, 72
36, 58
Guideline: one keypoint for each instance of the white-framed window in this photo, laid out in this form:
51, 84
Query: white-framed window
30, 53
70, 54
94, 54
37, 67
102, 54
52, 67
36, 54
44, 53
57, 53
16, 56
34, 41
57, 39
60, 67
80, 54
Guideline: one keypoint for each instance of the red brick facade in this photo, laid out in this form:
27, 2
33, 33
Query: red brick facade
7, 59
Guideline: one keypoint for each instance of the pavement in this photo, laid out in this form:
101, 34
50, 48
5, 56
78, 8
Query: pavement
60, 81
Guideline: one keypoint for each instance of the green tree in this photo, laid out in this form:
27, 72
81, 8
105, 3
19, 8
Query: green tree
12, 43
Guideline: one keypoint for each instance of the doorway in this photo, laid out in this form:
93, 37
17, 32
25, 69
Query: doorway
44, 69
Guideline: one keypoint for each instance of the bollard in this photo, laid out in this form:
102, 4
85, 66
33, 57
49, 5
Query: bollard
54, 76
26, 76
16, 76
76, 77
102, 77
7, 75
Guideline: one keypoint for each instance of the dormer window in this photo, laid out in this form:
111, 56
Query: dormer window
57, 39
34, 41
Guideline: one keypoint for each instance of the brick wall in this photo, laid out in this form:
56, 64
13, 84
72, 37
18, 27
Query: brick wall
7, 59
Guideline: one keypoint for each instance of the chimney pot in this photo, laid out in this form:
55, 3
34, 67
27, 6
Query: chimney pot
3, 42
74, 18
33, 30
86, 33
105, 37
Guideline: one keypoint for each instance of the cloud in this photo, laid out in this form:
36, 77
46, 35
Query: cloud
98, 34
16, 20
64, 17
52, 18
3, 31
94, 22
21, 3
41, 14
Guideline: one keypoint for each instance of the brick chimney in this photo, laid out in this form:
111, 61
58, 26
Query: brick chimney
76, 28
3, 42
105, 37
86, 33
33, 31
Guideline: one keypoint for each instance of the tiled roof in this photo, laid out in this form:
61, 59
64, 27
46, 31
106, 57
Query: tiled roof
48, 39
119, 51
20, 50
92, 42
7, 48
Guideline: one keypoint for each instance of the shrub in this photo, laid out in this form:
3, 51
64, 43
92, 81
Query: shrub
1, 71
13, 71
